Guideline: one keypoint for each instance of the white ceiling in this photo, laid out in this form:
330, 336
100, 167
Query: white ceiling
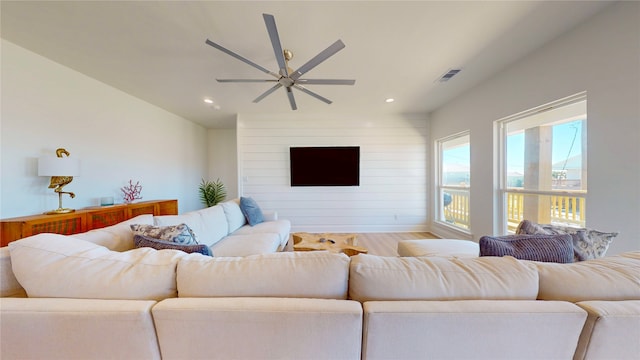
156, 51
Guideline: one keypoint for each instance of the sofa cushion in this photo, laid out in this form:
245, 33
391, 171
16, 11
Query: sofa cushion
118, 237
608, 278
235, 217
315, 274
59, 266
547, 248
608, 330
245, 245
587, 243
259, 328
209, 224
434, 278
78, 329
251, 211
215, 222
472, 329
179, 234
193, 220
279, 227
147, 241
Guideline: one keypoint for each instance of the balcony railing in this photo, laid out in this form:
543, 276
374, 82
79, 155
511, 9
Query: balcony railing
559, 209
457, 212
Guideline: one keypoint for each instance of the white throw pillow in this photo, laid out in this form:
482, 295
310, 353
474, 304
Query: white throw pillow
59, 266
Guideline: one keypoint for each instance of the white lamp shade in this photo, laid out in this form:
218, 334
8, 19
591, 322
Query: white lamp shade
58, 166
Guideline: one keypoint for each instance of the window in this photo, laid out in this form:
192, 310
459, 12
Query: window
544, 164
454, 181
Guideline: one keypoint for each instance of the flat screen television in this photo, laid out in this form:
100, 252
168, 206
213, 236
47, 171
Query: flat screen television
325, 166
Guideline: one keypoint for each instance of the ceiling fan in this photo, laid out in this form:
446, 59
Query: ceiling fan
287, 77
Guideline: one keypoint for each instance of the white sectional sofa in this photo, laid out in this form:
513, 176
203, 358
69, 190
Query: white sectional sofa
86, 301
222, 227
497, 308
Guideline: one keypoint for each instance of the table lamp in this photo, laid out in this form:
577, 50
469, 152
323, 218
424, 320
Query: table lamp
62, 170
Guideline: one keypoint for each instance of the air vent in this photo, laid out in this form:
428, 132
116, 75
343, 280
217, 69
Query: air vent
449, 74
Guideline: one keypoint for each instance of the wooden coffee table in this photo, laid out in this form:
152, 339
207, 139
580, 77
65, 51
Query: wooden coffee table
335, 243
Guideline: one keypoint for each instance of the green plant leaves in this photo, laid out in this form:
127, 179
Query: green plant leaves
212, 192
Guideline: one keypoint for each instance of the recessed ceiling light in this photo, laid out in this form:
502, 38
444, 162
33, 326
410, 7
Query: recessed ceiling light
390, 100
208, 101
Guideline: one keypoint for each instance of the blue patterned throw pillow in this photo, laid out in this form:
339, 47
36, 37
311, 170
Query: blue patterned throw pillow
251, 211
146, 241
179, 234
546, 248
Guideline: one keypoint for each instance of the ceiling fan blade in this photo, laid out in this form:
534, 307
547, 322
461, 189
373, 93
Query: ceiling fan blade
264, 94
316, 60
270, 22
305, 90
245, 80
241, 58
325, 81
292, 100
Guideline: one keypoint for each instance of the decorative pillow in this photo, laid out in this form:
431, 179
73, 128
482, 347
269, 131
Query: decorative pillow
587, 243
179, 234
251, 211
545, 248
146, 241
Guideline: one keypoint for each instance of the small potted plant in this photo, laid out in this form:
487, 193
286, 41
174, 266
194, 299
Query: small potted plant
212, 192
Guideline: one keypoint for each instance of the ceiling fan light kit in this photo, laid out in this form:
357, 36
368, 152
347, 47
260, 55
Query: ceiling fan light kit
287, 77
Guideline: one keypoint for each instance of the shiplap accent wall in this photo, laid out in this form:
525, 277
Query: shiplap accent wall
394, 156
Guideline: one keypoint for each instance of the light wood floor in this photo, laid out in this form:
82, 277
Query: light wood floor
386, 244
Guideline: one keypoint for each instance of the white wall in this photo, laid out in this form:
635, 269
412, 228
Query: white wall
392, 195
601, 56
116, 137
223, 159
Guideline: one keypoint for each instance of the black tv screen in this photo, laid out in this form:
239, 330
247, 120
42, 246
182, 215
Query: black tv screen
325, 166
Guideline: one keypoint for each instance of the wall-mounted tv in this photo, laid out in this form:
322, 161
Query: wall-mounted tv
325, 166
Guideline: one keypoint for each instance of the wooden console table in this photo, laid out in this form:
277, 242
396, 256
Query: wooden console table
81, 220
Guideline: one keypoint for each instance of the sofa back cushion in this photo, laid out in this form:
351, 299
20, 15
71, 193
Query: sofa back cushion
59, 266
118, 237
209, 225
608, 278
285, 274
235, 217
434, 278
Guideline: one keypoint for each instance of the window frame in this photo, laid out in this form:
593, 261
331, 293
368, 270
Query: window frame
502, 189
440, 188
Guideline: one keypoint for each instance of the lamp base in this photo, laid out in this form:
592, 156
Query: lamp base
60, 211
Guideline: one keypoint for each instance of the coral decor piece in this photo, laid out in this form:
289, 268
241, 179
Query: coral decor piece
131, 192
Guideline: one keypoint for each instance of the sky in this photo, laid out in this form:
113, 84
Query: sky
563, 147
